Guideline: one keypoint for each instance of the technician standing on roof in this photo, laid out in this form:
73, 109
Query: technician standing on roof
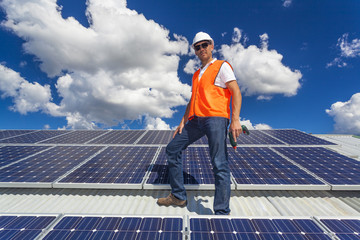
207, 113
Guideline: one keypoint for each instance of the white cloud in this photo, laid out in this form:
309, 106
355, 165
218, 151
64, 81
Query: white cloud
156, 124
192, 65
287, 3
27, 97
347, 50
260, 71
346, 115
250, 126
120, 68
236, 35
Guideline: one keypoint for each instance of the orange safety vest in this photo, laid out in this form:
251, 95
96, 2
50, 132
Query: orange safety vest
207, 99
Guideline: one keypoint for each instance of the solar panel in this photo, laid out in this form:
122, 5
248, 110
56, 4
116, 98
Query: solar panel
343, 228
23, 227
295, 137
119, 137
11, 154
257, 137
262, 168
254, 228
11, 133
76, 137
341, 172
42, 169
197, 170
33, 137
115, 167
157, 137
127, 227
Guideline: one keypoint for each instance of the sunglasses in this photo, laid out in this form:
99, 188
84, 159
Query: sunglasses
203, 45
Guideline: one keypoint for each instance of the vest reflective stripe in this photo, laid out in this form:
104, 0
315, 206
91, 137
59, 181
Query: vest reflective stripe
207, 99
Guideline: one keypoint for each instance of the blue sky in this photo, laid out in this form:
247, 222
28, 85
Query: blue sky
128, 64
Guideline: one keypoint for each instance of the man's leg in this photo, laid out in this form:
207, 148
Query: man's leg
190, 134
216, 133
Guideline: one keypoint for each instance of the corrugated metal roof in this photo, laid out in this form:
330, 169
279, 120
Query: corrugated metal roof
143, 202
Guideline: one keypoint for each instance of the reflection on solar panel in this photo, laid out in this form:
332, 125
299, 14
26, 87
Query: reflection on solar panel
11, 154
33, 137
338, 170
115, 165
296, 137
119, 137
46, 166
197, 169
343, 228
11, 133
23, 227
76, 137
255, 229
262, 168
257, 137
157, 137
75, 227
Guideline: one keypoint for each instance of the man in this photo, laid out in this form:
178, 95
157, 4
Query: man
207, 113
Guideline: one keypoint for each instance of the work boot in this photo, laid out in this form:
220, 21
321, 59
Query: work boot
171, 200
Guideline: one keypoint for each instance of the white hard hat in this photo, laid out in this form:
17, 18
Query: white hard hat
201, 36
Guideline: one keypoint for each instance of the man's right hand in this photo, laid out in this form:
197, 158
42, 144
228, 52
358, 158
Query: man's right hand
179, 129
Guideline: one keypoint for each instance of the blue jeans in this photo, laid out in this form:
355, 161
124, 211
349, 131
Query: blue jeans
215, 128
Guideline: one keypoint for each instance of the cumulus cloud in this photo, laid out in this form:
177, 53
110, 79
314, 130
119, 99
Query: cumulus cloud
259, 126
260, 71
346, 115
122, 67
192, 65
347, 50
27, 97
156, 124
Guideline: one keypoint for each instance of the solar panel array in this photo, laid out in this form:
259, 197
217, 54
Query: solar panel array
339, 171
263, 168
135, 159
97, 227
25, 226
114, 167
256, 228
197, 170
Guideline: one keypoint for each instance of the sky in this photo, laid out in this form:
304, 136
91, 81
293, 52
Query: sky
119, 64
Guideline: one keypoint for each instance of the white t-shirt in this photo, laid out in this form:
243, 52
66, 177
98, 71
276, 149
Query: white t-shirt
226, 74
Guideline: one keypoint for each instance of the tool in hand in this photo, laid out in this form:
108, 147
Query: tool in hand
231, 137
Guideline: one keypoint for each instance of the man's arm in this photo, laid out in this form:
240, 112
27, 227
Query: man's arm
183, 120
235, 126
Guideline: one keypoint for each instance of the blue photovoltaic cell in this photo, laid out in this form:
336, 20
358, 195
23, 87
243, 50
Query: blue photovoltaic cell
261, 165
197, 167
295, 137
23, 227
151, 228
257, 137
11, 133
76, 137
157, 137
10, 154
116, 164
343, 228
47, 166
333, 167
33, 137
119, 137
255, 229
